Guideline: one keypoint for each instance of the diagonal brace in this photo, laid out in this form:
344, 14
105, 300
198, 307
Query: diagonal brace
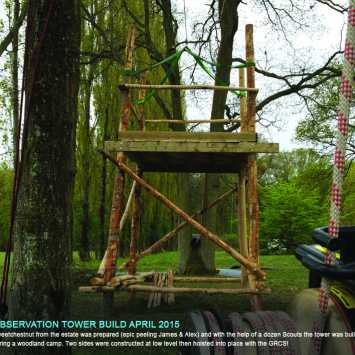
170, 235
252, 267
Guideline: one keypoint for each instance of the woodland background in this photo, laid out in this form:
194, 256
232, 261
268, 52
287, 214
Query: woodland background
293, 185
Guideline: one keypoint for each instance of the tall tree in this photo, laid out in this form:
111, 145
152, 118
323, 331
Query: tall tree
183, 179
14, 71
84, 151
103, 188
41, 275
84, 132
228, 19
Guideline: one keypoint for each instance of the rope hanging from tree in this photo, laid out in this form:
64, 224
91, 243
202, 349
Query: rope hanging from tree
345, 97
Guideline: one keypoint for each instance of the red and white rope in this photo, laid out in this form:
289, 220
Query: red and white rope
345, 97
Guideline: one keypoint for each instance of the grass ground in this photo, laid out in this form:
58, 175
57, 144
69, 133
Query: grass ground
286, 277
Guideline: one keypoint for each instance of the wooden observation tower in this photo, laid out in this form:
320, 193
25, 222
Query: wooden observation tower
157, 151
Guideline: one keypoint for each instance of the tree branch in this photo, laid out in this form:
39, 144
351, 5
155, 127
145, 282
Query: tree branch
325, 73
8, 38
333, 5
294, 89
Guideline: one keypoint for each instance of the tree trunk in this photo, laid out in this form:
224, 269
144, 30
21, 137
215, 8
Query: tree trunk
170, 31
84, 249
102, 208
200, 259
14, 75
174, 74
228, 16
41, 275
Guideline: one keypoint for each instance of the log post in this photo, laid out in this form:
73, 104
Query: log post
242, 217
135, 228
207, 291
118, 189
241, 199
243, 103
101, 269
137, 205
251, 95
252, 167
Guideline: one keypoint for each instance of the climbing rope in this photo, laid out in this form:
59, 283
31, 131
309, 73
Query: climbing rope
345, 96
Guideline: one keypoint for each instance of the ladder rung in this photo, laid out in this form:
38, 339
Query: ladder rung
225, 121
185, 87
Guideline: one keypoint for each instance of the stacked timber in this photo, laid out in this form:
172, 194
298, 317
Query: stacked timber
162, 280
121, 280
161, 288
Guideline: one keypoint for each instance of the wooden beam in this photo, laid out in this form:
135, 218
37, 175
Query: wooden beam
123, 220
188, 121
95, 289
252, 166
179, 162
254, 210
101, 269
242, 225
243, 103
137, 206
148, 288
241, 202
251, 111
118, 189
200, 228
128, 206
216, 279
189, 136
135, 227
251, 96
125, 87
141, 112
207, 291
164, 146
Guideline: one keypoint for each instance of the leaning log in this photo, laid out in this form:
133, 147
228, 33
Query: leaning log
101, 269
193, 279
233, 291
